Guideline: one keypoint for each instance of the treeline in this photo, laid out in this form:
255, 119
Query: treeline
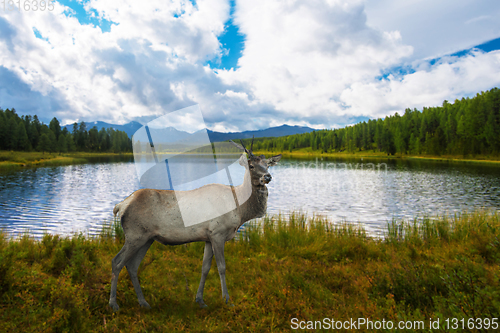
27, 133
469, 126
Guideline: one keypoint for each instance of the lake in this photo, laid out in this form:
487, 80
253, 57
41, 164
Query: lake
66, 199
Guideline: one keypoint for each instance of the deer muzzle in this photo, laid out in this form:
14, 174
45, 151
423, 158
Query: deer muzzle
267, 178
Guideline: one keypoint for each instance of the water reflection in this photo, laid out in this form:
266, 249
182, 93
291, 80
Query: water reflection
357, 191
63, 199
76, 198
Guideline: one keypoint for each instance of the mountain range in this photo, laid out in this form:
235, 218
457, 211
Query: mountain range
170, 132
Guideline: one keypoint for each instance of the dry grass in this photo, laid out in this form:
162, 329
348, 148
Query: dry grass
279, 269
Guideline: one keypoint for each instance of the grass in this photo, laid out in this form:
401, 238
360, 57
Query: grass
279, 269
20, 159
308, 153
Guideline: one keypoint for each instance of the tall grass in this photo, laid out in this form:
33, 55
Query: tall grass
459, 228
18, 159
281, 267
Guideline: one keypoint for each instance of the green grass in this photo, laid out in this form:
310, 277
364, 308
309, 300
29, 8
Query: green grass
309, 153
20, 159
279, 269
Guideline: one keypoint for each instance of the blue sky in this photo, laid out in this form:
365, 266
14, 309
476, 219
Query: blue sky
248, 64
86, 16
232, 41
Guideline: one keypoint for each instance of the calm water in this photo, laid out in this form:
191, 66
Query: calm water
67, 199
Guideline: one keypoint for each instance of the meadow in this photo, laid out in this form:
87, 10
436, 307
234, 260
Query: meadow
308, 153
279, 268
16, 160
20, 159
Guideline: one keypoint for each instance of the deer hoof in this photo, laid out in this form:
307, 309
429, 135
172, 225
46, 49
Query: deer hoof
201, 303
145, 305
114, 306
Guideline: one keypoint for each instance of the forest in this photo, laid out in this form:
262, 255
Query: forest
470, 126
27, 133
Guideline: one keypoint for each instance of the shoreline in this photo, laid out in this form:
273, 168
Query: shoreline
21, 159
379, 155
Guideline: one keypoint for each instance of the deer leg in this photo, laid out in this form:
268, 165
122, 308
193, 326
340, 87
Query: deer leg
128, 251
205, 268
132, 268
218, 248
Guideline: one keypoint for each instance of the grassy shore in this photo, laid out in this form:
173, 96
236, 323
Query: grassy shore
279, 270
20, 159
308, 153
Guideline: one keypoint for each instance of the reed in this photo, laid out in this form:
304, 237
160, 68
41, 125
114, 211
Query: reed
281, 267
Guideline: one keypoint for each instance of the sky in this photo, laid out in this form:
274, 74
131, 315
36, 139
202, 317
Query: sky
248, 64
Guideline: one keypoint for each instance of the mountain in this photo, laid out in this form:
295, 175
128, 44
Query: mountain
282, 130
166, 135
129, 128
170, 134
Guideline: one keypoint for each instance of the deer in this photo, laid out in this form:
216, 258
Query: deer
149, 215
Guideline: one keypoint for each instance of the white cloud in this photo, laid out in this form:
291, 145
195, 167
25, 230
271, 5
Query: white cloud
299, 56
192, 34
436, 28
447, 80
315, 63
119, 75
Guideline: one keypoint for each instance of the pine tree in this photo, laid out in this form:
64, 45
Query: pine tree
70, 143
23, 142
3, 129
82, 138
62, 146
44, 143
55, 127
12, 134
52, 141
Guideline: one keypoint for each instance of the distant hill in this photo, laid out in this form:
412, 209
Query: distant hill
128, 128
282, 130
170, 133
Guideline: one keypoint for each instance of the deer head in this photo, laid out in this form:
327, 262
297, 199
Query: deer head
258, 166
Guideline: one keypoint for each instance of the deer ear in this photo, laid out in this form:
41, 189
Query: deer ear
243, 161
273, 160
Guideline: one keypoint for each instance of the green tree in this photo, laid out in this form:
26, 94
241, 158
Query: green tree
103, 140
33, 134
93, 139
23, 142
37, 123
3, 129
82, 138
44, 143
62, 145
12, 134
53, 141
55, 127
70, 143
